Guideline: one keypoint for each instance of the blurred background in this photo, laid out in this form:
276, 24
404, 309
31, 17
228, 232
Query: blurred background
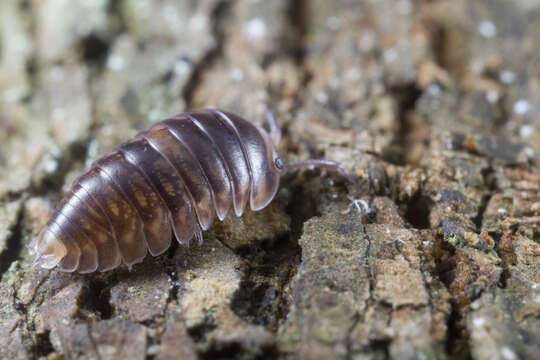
417, 97
82, 76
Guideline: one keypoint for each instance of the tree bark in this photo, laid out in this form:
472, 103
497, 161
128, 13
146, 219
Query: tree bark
432, 105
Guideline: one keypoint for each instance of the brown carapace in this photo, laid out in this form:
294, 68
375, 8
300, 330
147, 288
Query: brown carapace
171, 179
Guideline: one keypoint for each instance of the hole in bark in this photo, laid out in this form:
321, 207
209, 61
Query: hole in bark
417, 213
198, 332
96, 297
43, 346
236, 350
381, 347
94, 49
259, 299
228, 351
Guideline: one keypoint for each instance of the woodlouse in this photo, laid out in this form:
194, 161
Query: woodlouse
171, 179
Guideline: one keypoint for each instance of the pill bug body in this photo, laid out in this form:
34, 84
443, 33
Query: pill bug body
174, 178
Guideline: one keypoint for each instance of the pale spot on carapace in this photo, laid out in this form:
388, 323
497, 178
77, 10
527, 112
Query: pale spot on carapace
113, 207
168, 188
141, 198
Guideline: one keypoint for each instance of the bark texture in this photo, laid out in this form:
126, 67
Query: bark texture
433, 105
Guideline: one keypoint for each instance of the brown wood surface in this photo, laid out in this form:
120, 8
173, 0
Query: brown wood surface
433, 105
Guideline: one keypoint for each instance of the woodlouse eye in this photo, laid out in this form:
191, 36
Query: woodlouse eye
278, 163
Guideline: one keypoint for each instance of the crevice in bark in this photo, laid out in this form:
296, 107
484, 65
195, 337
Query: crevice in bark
32, 64
418, 210
174, 285
445, 262
439, 42
457, 341
218, 18
446, 38
406, 96
42, 346
298, 19
369, 267
457, 337
505, 275
381, 346
356, 320
489, 181
14, 244
74, 154
96, 298
199, 332
261, 298
236, 350
303, 204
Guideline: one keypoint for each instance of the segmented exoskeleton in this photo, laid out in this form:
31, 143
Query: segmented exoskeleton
171, 179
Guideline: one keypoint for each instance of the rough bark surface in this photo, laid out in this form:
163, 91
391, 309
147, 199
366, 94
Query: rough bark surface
433, 105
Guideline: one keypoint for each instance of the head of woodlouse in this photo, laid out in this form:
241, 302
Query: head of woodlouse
276, 163
48, 249
266, 178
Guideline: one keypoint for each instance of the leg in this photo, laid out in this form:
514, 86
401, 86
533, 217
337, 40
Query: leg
320, 163
275, 130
